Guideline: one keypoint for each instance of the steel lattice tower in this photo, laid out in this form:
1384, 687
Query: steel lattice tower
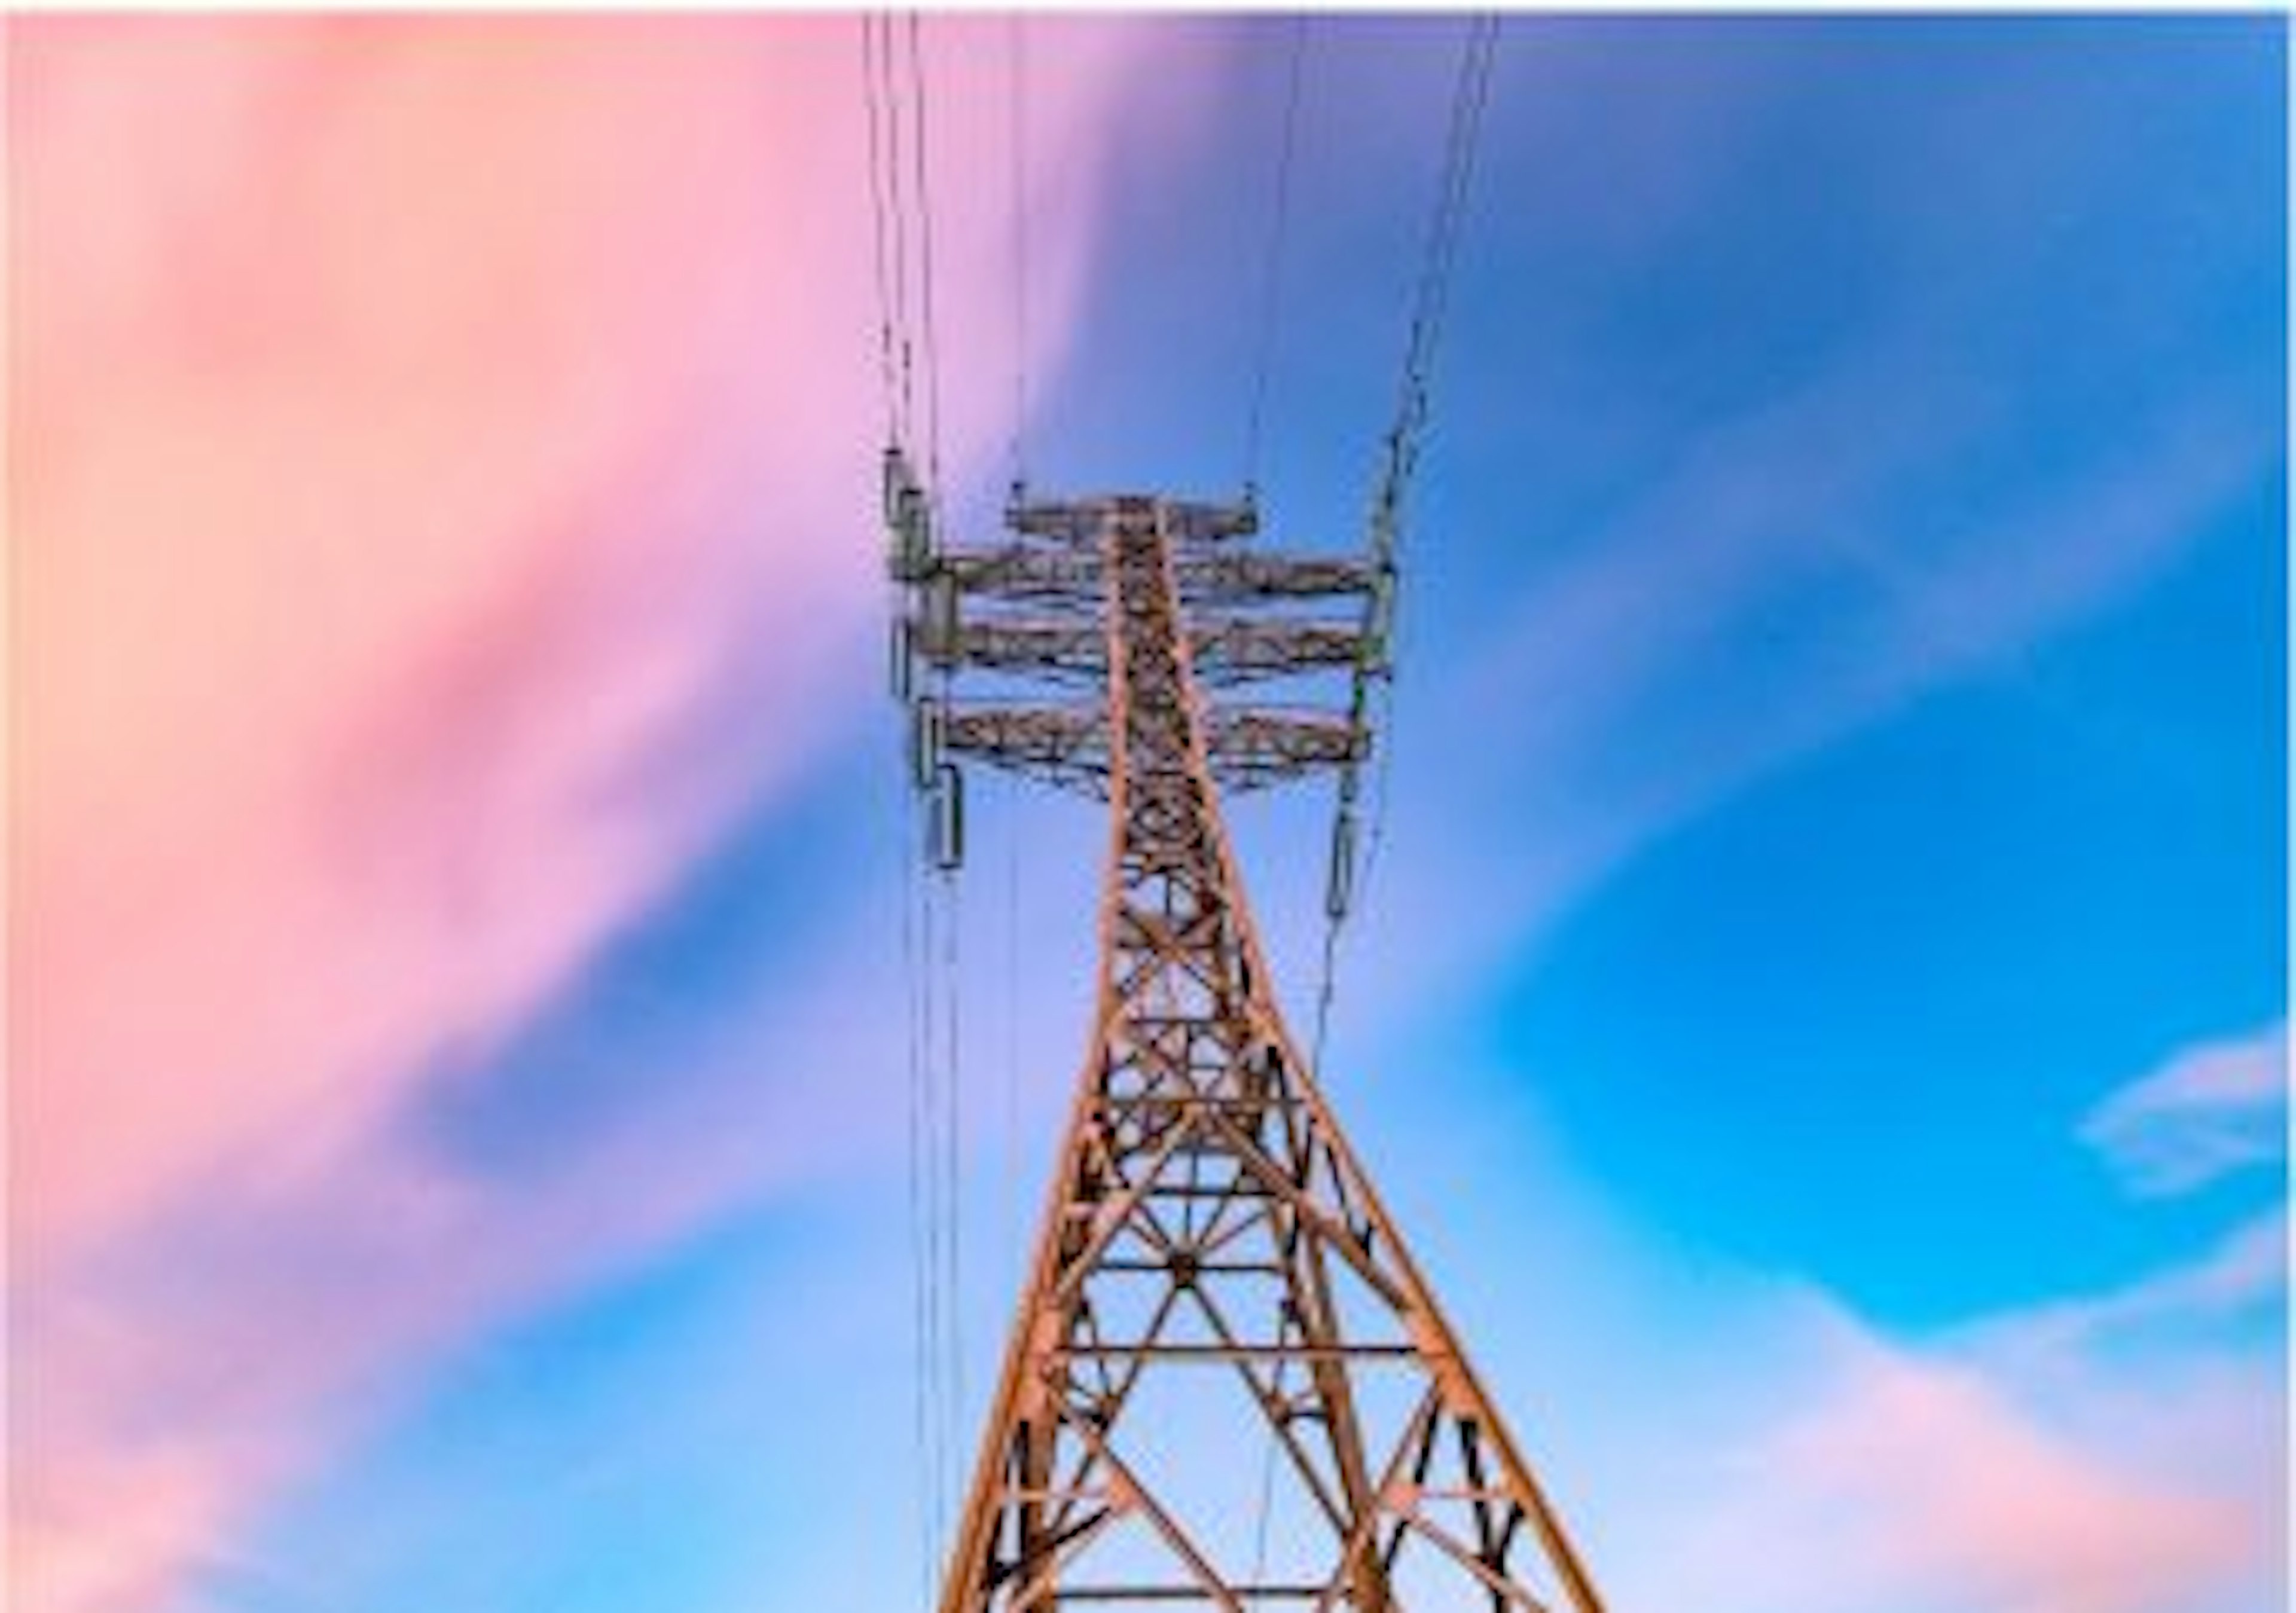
1210, 1241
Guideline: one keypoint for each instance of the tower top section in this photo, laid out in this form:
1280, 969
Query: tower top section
1002, 650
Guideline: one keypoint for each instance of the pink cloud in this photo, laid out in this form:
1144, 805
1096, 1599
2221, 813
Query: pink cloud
2210, 1111
2022, 1468
420, 427
1924, 1477
2244, 1274
365, 535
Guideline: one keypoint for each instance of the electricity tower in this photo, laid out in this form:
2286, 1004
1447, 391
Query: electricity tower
1213, 1256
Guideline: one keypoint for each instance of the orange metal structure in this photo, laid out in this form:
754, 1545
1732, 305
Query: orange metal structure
1227, 1384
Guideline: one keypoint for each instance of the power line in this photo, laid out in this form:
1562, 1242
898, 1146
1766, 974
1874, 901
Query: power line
1272, 277
945, 1137
1016, 85
879, 229
928, 1149
921, 161
1430, 302
1012, 1054
901, 203
953, 1168
1371, 699
924, 1413
881, 107
889, 177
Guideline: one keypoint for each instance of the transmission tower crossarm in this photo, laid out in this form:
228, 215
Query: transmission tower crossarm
1227, 650
1066, 743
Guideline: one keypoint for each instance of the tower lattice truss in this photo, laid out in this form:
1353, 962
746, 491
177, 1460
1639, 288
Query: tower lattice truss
1227, 1384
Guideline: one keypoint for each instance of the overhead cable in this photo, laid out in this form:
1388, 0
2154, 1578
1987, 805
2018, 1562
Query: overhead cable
1371, 696
1272, 270
1016, 85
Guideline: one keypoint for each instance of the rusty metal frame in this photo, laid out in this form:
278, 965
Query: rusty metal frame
1201, 1171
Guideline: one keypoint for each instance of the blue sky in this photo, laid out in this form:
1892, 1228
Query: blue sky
1841, 744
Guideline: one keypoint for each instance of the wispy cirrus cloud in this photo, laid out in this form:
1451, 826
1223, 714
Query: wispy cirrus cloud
2209, 1112
1716, 591
2110, 1451
2224, 1297
2117, 1452
1770, 597
1923, 1478
442, 455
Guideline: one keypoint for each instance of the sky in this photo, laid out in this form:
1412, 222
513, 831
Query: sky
1819, 1003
